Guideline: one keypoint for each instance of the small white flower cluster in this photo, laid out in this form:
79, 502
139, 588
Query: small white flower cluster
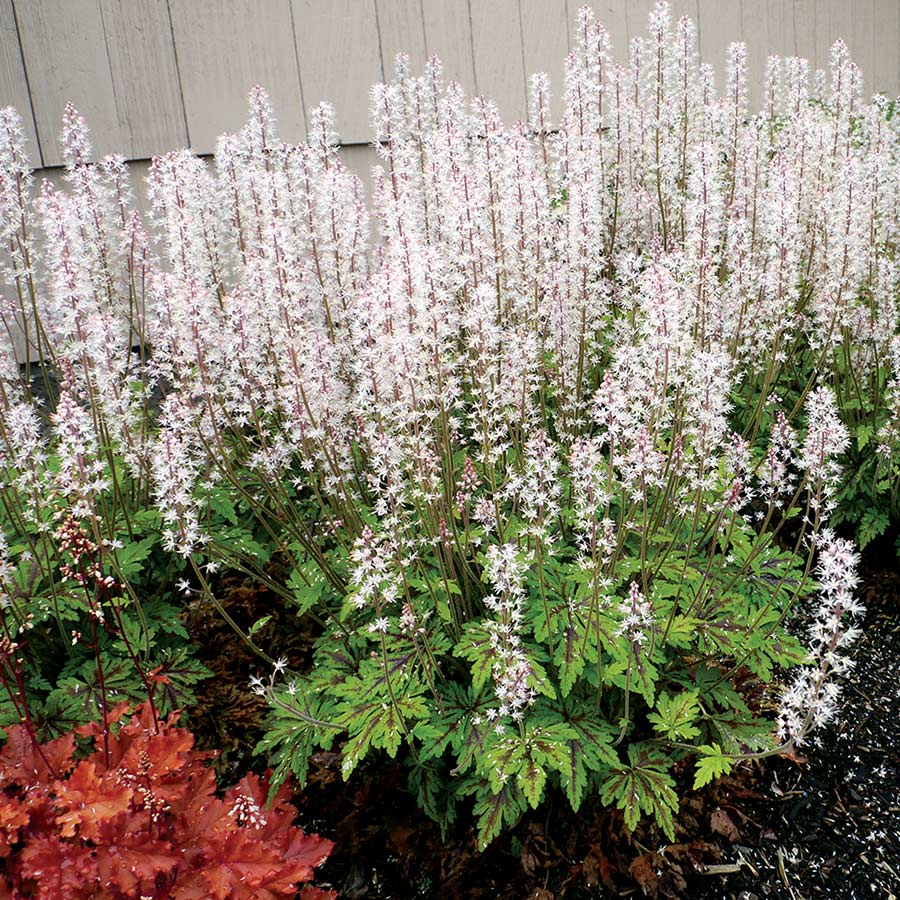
505, 567
372, 580
811, 699
247, 812
637, 617
826, 439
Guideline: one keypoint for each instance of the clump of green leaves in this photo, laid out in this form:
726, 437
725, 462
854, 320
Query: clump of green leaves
605, 709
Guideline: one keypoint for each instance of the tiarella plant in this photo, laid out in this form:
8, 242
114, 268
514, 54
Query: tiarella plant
548, 448
89, 604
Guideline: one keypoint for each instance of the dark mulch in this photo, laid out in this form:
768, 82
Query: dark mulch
825, 827
831, 825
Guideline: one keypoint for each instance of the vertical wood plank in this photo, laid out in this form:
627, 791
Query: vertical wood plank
223, 50
768, 30
66, 59
720, 26
145, 76
833, 21
637, 13
862, 40
679, 8
545, 43
613, 16
803, 15
499, 68
323, 32
448, 34
13, 81
885, 75
401, 30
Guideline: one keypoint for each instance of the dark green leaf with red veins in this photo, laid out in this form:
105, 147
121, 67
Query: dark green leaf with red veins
476, 647
574, 648
548, 619
382, 724
643, 786
538, 679
588, 749
494, 810
528, 757
635, 673
676, 715
454, 722
431, 785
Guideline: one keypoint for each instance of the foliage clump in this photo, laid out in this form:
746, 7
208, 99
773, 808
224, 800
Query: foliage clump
548, 447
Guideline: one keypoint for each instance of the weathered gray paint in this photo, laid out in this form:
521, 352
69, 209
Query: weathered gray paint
145, 74
13, 83
64, 49
225, 47
149, 75
330, 30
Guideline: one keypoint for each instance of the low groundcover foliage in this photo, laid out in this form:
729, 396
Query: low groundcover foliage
549, 448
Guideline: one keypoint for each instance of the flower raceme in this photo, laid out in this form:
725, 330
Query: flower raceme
547, 435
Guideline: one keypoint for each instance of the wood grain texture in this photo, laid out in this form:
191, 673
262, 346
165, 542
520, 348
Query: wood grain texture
448, 34
499, 73
767, 28
13, 81
885, 75
720, 26
224, 48
636, 13
545, 45
803, 19
338, 55
65, 55
612, 15
401, 30
144, 74
833, 20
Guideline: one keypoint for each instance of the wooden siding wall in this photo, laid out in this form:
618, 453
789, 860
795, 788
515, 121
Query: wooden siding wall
150, 75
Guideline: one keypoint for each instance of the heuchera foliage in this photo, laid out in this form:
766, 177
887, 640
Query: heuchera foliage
139, 817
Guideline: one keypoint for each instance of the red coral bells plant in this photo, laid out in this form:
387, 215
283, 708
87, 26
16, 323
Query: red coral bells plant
143, 821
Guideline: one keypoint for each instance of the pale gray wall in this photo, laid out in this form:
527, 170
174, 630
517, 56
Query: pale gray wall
150, 75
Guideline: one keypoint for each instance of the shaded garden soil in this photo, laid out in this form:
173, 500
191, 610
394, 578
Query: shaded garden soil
827, 826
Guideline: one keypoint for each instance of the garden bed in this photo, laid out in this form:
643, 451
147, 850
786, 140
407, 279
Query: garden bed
822, 826
512, 521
